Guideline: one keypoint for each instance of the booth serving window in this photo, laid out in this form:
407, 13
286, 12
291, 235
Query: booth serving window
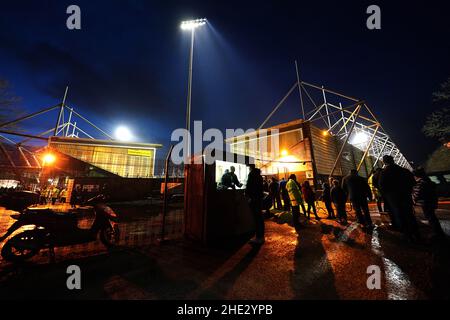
241, 171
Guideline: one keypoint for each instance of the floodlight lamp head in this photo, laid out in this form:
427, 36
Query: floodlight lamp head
359, 138
192, 24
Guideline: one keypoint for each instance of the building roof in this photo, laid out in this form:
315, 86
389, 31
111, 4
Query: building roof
109, 143
282, 127
14, 156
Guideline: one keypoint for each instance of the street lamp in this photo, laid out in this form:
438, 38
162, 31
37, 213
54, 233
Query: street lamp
190, 25
48, 159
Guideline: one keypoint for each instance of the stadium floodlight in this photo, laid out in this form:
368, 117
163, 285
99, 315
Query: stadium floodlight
192, 24
359, 138
123, 134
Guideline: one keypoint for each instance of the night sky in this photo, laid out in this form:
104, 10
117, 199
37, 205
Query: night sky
128, 63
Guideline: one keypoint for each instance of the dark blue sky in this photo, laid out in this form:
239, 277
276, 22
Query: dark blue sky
128, 64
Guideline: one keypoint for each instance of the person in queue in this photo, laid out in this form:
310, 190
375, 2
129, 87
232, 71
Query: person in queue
255, 193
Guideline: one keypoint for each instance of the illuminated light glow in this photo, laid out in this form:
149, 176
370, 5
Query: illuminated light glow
48, 158
289, 162
192, 24
289, 159
284, 153
325, 133
359, 137
123, 134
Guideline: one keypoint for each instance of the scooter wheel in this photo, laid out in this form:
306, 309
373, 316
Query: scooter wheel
110, 236
21, 247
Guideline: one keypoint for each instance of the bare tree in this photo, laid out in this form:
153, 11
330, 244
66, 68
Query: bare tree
437, 124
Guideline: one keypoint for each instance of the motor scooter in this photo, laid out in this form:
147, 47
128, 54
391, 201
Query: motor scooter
45, 228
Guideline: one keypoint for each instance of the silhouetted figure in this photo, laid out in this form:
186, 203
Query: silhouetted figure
358, 191
265, 185
274, 191
43, 196
339, 198
376, 184
75, 197
424, 195
396, 184
254, 191
296, 200
310, 199
285, 195
230, 180
373, 184
84, 195
48, 194
326, 198
63, 195
225, 181
55, 194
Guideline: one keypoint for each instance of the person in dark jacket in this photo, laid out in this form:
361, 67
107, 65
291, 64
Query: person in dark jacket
339, 199
255, 192
424, 195
274, 191
326, 198
75, 196
396, 184
230, 180
285, 195
265, 184
376, 194
310, 199
358, 191
376, 184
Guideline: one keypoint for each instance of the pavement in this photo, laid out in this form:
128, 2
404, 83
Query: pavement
325, 261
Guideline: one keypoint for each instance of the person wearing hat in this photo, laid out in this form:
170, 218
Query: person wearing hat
396, 185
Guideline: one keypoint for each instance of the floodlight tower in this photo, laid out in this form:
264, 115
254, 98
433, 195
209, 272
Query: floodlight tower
191, 25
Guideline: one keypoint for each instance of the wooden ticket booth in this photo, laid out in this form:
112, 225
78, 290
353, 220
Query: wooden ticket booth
213, 214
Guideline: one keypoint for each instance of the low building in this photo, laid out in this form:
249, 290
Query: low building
126, 168
302, 149
127, 160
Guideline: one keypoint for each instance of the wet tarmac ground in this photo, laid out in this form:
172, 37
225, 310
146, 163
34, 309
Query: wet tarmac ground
326, 261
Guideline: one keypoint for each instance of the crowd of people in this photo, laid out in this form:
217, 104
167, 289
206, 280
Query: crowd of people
52, 194
394, 189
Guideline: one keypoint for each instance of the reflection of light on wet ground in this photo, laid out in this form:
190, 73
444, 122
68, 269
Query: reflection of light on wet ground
399, 287
347, 232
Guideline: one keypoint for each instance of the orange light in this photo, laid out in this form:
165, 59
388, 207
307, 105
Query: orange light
48, 158
284, 153
325, 132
